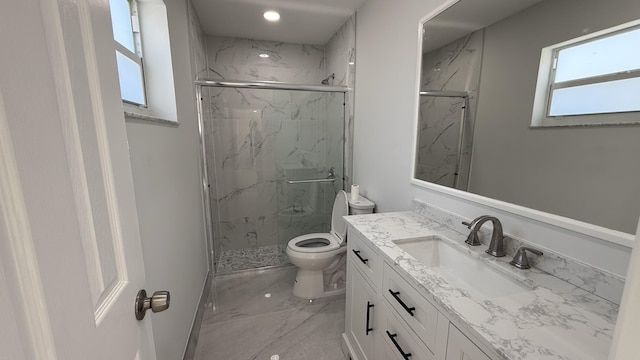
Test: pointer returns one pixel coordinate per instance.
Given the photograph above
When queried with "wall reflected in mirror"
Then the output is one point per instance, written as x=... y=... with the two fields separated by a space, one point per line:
x=484 y=143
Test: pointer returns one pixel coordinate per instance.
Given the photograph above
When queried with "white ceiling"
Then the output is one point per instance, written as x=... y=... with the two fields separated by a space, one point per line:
x=301 y=21
x=467 y=16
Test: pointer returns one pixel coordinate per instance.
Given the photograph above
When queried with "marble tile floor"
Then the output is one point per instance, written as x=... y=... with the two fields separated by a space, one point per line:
x=254 y=315
x=252 y=258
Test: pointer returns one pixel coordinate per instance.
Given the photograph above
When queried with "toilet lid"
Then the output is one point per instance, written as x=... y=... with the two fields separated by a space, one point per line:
x=340 y=209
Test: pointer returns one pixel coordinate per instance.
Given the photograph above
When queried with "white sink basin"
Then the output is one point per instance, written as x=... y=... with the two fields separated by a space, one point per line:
x=461 y=270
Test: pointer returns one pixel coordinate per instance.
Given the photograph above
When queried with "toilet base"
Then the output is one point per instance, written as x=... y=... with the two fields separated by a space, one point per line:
x=309 y=284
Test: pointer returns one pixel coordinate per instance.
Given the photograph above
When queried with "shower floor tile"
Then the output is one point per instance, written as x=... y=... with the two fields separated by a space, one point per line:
x=254 y=315
x=252 y=258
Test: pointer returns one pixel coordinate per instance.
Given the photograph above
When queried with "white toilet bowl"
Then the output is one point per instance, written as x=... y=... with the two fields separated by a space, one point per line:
x=313 y=253
x=311 y=258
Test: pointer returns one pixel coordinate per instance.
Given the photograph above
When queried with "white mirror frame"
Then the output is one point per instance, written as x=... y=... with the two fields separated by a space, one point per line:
x=614 y=236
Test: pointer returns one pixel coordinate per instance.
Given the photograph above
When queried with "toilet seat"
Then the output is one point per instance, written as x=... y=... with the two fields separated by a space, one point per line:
x=314 y=243
x=325 y=242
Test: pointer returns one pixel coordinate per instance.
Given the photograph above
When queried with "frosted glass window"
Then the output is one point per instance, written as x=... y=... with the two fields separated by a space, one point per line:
x=590 y=80
x=121 y=20
x=613 y=54
x=599 y=98
x=131 y=79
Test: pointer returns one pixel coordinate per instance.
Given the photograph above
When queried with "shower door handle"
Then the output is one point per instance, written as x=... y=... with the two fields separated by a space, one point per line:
x=311 y=181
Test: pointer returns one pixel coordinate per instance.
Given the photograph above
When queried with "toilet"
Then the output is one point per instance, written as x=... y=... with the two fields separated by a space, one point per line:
x=320 y=257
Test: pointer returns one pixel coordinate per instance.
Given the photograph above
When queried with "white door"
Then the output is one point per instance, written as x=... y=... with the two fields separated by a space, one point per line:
x=70 y=253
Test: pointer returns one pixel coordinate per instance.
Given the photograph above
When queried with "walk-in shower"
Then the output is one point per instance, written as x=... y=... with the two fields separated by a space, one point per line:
x=273 y=162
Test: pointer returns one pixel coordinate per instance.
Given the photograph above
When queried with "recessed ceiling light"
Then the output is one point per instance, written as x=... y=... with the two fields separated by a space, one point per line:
x=271 y=15
x=264 y=56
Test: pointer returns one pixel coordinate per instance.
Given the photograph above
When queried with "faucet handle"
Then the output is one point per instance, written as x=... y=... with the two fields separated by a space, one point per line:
x=520 y=260
x=467 y=224
x=472 y=239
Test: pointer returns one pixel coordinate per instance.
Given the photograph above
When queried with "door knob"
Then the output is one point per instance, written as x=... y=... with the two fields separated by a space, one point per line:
x=159 y=301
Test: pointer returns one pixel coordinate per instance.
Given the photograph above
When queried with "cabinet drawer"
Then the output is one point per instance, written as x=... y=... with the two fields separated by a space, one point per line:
x=398 y=342
x=410 y=305
x=364 y=257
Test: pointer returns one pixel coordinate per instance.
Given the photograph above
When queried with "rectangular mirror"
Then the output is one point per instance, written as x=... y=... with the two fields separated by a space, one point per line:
x=482 y=66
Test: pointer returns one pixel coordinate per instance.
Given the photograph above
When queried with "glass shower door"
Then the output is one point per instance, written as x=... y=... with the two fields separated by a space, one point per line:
x=311 y=149
x=444 y=146
x=256 y=140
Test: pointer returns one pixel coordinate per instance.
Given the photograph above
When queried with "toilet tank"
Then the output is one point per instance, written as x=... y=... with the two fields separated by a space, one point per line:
x=360 y=206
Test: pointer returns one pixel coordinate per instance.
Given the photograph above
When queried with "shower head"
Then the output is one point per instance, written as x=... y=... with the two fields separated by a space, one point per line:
x=326 y=81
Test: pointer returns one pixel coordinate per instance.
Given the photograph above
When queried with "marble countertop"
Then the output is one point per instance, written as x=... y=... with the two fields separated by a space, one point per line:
x=554 y=320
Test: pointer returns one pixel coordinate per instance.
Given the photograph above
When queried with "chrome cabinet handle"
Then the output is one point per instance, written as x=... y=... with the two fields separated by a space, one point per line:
x=368 y=329
x=158 y=302
x=357 y=252
x=391 y=336
x=395 y=294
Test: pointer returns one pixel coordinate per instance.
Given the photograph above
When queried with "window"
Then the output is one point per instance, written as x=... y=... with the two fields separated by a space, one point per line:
x=594 y=79
x=147 y=87
x=126 y=33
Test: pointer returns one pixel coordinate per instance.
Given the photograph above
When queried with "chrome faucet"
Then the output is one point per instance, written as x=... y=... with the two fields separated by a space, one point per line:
x=496 y=247
x=332 y=173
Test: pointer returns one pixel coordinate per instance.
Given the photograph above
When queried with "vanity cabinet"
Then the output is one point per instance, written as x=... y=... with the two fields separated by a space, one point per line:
x=460 y=347
x=387 y=318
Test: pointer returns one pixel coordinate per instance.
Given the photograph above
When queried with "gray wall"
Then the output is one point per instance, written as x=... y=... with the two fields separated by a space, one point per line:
x=585 y=173
x=387 y=38
x=165 y=165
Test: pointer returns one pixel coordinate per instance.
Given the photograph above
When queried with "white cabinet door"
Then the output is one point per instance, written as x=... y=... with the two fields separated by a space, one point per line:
x=461 y=348
x=362 y=313
x=69 y=240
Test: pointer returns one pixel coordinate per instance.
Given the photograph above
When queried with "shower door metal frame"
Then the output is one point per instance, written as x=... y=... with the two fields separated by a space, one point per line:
x=465 y=96
x=204 y=176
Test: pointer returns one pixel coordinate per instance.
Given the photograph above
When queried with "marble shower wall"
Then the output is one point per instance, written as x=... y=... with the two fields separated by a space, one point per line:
x=211 y=174
x=198 y=47
x=453 y=67
x=257 y=139
x=239 y=59
x=260 y=138
x=198 y=43
x=341 y=58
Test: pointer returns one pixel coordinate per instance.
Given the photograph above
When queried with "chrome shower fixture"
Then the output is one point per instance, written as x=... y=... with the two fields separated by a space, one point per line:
x=326 y=81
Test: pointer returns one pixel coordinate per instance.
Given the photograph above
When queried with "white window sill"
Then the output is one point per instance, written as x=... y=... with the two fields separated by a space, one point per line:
x=131 y=116
x=613 y=119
